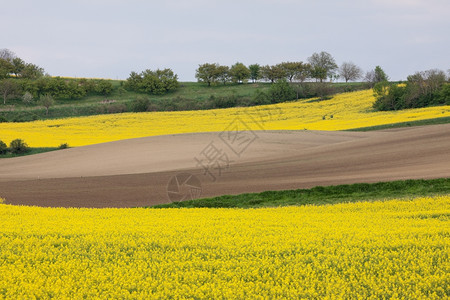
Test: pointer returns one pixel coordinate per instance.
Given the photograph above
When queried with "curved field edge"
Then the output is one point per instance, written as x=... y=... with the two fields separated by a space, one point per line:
x=342 y=112
x=323 y=195
x=381 y=249
x=434 y=121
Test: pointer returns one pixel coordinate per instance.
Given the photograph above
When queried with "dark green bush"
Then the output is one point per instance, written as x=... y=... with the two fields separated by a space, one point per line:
x=18 y=146
x=140 y=104
x=281 y=91
x=3 y=147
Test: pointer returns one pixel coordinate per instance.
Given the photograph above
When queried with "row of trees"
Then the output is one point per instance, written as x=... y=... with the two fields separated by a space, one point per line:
x=11 y=65
x=59 y=88
x=319 y=67
x=422 y=89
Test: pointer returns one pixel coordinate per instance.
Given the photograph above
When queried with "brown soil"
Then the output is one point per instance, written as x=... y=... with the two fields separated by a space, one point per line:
x=136 y=172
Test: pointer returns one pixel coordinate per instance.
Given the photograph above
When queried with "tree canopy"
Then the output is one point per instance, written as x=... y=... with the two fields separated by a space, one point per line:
x=323 y=65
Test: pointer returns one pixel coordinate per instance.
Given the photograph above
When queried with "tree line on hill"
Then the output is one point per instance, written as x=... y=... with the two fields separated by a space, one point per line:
x=289 y=81
x=29 y=82
x=319 y=67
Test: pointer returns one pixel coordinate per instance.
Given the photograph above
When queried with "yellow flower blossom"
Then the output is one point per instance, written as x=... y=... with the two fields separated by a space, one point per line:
x=368 y=250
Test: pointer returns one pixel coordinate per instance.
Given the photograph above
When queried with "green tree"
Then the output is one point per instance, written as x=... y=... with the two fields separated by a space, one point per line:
x=293 y=70
x=380 y=75
x=153 y=82
x=46 y=101
x=103 y=87
x=18 y=65
x=272 y=73
x=323 y=65
x=207 y=73
x=255 y=72
x=31 y=71
x=5 y=68
x=239 y=72
x=223 y=74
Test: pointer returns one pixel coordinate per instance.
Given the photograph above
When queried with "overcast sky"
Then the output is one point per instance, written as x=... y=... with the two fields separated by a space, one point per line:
x=109 y=38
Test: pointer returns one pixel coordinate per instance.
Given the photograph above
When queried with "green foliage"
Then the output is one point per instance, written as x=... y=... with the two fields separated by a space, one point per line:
x=103 y=87
x=324 y=195
x=207 y=73
x=157 y=82
x=189 y=96
x=434 y=121
x=11 y=64
x=422 y=89
x=380 y=75
x=18 y=146
x=140 y=104
x=3 y=147
x=272 y=73
x=223 y=101
x=281 y=91
x=239 y=72
x=295 y=70
x=261 y=98
x=255 y=72
x=443 y=96
x=5 y=68
x=63 y=146
x=323 y=65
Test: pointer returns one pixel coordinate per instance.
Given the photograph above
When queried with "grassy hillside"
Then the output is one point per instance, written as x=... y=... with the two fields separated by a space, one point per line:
x=324 y=195
x=189 y=96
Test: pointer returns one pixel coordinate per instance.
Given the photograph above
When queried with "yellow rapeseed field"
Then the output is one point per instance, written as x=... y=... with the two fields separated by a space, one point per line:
x=396 y=249
x=344 y=111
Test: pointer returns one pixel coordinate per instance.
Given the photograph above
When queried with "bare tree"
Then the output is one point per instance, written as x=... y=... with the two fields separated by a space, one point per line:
x=369 y=78
x=8 y=89
x=7 y=55
x=350 y=72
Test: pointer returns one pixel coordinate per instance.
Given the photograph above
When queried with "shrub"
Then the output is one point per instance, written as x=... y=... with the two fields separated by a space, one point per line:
x=27 y=98
x=281 y=91
x=116 y=108
x=141 y=104
x=3 y=147
x=18 y=146
x=63 y=146
x=260 y=98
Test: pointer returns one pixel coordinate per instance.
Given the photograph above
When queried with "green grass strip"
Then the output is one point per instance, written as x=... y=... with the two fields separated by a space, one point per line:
x=323 y=195
x=442 y=120
x=31 y=152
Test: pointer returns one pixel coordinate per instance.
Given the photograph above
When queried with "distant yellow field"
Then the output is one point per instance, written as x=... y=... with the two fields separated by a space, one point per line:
x=344 y=111
x=373 y=250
